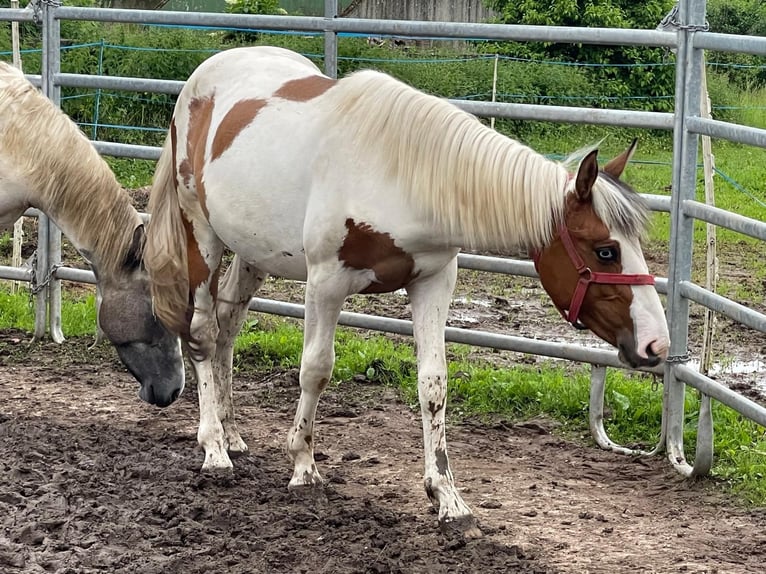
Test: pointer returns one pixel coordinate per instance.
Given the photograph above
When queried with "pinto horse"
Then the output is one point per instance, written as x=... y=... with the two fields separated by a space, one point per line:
x=46 y=162
x=366 y=185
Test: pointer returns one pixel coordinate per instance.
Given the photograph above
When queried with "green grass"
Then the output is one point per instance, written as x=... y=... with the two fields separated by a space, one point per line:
x=78 y=314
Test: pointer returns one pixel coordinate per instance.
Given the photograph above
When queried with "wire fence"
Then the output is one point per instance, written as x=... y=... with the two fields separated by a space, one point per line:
x=98 y=96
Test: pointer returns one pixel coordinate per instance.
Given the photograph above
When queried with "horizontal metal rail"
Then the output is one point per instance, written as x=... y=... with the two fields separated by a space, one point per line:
x=723 y=305
x=551 y=349
x=16 y=273
x=452 y=30
x=455 y=335
x=127 y=84
x=734 y=221
x=728 y=131
x=732 y=399
x=17 y=15
x=128 y=150
x=532 y=112
x=730 y=43
x=567 y=114
x=77 y=275
x=497 y=265
x=657 y=202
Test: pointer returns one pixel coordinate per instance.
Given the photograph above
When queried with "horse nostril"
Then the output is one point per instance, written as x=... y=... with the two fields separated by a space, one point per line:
x=657 y=348
x=149 y=395
x=175 y=395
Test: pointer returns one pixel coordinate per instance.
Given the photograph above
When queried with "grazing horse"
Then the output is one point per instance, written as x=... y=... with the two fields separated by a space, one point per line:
x=46 y=162
x=366 y=185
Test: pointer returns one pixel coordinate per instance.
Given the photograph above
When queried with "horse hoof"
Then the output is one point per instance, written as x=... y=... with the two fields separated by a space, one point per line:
x=237 y=449
x=463 y=527
x=221 y=465
x=237 y=453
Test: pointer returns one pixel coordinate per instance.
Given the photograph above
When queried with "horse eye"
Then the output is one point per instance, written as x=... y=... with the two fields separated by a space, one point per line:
x=607 y=254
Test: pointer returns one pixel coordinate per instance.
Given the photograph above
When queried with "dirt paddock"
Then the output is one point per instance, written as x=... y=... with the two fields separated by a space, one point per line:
x=93 y=480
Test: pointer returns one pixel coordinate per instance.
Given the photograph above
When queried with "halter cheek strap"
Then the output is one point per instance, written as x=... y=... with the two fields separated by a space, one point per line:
x=587 y=276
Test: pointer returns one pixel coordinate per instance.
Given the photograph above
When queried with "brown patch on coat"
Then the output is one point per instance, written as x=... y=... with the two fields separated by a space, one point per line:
x=305 y=89
x=364 y=248
x=200 y=115
x=199 y=272
x=236 y=119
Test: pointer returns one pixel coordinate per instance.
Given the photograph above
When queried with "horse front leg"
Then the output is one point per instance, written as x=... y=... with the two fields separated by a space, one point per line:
x=430 y=299
x=324 y=299
x=237 y=287
x=201 y=346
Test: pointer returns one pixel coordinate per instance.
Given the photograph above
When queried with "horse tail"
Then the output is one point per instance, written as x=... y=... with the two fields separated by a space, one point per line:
x=165 y=254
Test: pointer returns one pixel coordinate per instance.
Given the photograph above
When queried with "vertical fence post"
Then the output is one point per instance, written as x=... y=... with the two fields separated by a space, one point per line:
x=711 y=267
x=331 y=40
x=685 y=146
x=97 y=103
x=49 y=236
x=494 y=89
x=18 y=226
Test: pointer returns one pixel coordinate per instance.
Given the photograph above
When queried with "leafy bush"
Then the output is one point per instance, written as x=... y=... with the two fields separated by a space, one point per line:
x=744 y=17
x=628 y=70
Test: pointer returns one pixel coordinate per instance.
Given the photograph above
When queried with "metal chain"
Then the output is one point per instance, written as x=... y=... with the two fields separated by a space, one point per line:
x=35 y=286
x=670 y=22
x=37 y=8
x=678 y=359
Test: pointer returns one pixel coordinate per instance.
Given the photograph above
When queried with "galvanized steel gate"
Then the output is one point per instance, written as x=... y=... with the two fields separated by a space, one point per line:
x=689 y=40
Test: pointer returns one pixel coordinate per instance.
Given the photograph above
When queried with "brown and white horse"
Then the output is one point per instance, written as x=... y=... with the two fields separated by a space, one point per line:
x=47 y=162
x=366 y=185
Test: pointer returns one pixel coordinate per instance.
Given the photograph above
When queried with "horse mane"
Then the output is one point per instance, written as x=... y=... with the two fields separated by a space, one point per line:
x=493 y=191
x=57 y=161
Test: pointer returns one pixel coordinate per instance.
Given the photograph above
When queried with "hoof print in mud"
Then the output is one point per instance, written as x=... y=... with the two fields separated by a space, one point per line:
x=309 y=493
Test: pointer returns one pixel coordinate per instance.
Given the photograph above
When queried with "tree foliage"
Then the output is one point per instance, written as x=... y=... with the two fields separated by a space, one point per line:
x=618 y=64
x=742 y=17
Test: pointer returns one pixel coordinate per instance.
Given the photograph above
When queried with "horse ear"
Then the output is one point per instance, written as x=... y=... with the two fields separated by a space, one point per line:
x=136 y=250
x=617 y=165
x=586 y=176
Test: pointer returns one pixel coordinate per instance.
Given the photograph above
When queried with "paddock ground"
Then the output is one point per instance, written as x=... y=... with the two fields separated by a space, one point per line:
x=93 y=480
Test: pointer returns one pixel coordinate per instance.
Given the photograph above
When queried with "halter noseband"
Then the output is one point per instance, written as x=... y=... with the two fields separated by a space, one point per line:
x=587 y=276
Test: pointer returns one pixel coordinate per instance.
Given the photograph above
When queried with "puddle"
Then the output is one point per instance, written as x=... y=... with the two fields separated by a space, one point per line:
x=472 y=301
x=756 y=367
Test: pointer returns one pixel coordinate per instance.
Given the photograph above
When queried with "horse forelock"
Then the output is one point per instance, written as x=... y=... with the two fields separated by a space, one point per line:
x=491 y=191
x=64 y=174
x=619 y=206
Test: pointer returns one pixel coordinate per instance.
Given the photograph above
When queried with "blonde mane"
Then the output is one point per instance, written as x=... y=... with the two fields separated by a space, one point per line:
x=63 y=171
x=493 y=191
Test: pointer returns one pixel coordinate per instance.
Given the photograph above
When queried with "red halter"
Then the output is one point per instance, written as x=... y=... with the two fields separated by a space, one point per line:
x=587 y=276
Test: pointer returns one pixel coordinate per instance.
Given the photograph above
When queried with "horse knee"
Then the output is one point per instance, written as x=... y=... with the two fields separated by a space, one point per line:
x=204 y=333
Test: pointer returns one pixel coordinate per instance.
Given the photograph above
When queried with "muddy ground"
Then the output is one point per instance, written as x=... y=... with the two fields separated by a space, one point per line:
x=93 y=480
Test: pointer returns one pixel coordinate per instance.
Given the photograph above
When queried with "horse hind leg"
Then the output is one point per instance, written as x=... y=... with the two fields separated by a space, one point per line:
x=236 y=288
x=429 y=299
